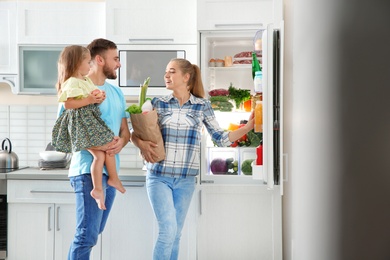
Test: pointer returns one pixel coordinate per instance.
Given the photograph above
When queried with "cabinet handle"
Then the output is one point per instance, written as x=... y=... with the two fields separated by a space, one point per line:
x=238 y=24
x=151 y=40
x=200 y=203
x=51 y=191
x=48 y=218
x=58 y=219
x=134 y=185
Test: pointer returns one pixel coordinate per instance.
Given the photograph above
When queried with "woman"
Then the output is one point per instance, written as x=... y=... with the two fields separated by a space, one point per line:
x=171 y=182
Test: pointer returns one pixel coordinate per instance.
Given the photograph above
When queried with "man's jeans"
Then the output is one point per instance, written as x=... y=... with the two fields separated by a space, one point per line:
x=90 y=220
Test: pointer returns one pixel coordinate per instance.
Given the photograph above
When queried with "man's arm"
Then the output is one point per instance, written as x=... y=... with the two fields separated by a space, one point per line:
x=121 y=140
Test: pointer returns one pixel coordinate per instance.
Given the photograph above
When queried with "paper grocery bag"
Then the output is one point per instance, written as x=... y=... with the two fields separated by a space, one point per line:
x=146 y=128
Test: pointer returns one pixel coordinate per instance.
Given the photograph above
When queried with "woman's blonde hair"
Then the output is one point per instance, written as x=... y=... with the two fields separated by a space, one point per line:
x=195 y=83
x=69 y=61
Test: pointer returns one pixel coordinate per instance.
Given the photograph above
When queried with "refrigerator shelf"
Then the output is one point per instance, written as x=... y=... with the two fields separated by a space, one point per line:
x=232 y=156
x=233 y=67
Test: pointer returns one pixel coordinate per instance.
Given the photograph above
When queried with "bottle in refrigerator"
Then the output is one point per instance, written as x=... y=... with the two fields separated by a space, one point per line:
x=258 y=117
x=258 y=82
x=255 y=64
x=259 y=154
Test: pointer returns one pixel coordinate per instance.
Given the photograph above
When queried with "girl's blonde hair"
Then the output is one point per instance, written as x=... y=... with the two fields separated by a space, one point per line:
x=69 y=61
x=195 y=83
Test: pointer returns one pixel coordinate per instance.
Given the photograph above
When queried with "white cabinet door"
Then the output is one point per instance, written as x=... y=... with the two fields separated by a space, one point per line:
x=151 y=22
x=8 y=50
x=30 y=231
x=130 y=228
x=65 y=223
x=239 y=222
x=41 y=220
x=60 y=22
x=65 y=226
x=234 y=14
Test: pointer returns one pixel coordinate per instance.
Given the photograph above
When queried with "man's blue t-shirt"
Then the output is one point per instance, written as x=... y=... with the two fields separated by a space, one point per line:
x=113 y=111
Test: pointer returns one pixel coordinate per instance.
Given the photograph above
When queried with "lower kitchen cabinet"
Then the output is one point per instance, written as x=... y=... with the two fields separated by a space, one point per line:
x=41 y=220
x=132 y=230
x=239 y=222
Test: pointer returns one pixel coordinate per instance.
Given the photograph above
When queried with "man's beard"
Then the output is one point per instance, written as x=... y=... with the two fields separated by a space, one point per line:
x=110 y=74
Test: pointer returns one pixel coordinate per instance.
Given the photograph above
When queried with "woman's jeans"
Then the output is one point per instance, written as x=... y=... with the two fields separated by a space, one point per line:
x=170 y=199
x=90 y=220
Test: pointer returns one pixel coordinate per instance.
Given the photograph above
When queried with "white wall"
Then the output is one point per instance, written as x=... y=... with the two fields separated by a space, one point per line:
x=7 y=97
x=337 y=198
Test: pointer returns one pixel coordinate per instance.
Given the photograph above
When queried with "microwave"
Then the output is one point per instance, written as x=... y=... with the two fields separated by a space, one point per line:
x=139 y=62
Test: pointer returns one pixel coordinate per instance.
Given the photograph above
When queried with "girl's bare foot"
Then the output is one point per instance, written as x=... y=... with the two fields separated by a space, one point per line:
x=98 y=195
x=117 y=184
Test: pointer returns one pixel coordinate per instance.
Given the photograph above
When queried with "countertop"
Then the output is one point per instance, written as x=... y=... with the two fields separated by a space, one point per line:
x=35 y=173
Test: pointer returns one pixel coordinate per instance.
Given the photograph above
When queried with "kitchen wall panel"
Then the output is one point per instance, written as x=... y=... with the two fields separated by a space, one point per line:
x=29 y=129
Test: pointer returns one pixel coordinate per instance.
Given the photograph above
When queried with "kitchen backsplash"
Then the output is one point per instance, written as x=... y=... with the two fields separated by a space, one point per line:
x=29 y=130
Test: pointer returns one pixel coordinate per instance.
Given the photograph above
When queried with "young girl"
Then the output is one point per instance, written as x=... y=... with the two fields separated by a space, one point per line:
x=80 y=127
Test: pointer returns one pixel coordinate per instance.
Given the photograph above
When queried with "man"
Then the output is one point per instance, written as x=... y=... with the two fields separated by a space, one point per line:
x=90 y=220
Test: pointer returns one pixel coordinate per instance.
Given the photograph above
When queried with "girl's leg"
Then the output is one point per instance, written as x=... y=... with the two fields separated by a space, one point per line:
x=97 y=174
x=113 y=179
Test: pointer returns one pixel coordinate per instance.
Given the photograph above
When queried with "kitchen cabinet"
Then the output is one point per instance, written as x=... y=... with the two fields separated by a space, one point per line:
x=151 y=22
x=239 y=222
x=8 y=48
x=132 y=229
x=41 y=220
x=71 y=22
x=236 y=14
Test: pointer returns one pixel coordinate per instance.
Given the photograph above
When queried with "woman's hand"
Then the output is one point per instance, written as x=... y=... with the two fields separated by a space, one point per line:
x=148 y=152
x=251 y=121
x=236 y=134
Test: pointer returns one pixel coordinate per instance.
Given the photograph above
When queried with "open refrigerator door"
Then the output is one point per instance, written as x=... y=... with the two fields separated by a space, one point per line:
x=237 y=47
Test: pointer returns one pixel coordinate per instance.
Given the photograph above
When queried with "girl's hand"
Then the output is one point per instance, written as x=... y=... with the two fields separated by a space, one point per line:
x=97 y=96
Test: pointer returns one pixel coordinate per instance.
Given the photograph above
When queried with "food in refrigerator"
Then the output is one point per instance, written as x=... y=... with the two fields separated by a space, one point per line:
x=239 y=82
x=258 y=117
x=223 y=161
x=246 y=166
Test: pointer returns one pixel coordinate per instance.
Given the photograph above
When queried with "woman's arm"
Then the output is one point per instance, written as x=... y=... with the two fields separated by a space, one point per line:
x=236 y=134
x=146 y=148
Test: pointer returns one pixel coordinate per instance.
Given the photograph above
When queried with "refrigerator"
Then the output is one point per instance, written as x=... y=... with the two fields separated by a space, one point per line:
x=245 y=207
x=218 y=45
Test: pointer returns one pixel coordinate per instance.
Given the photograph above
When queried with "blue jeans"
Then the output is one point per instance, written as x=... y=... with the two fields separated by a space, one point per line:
x=170 y=199
x=90 y=220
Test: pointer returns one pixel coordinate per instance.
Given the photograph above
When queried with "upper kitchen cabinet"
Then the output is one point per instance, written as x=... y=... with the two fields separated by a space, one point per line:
x=60 y=22
x=237 y=14
x=8 y=49
x=151 y=22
